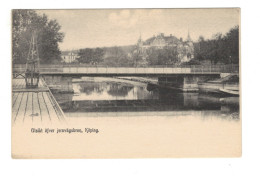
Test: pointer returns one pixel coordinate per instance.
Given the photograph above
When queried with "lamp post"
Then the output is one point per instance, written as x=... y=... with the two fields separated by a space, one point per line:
x=32 y=64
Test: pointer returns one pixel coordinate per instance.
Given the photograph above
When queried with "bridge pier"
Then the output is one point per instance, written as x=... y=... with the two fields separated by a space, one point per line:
x=187 y=83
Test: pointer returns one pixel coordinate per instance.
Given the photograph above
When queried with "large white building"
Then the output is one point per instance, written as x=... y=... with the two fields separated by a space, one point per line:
x=69 y=56
x=185 y=49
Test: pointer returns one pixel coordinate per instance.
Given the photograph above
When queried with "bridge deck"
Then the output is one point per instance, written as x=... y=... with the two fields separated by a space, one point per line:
x=34 y=106
x=131 y=71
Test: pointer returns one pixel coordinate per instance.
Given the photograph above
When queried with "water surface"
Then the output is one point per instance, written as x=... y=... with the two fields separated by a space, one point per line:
x=97 y=95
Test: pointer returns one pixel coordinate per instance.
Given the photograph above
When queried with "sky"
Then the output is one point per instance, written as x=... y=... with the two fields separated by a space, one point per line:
x=118 y=27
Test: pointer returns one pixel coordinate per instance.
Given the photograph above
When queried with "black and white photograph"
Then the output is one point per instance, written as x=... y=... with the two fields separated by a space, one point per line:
x=126 y=83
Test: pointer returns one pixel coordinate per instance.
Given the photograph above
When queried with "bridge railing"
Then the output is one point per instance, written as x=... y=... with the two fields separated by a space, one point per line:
x=82 y=68
x=43 y=68
x=230 y=68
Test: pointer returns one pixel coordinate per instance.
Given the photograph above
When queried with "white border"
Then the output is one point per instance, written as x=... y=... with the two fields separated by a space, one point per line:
x=247 y=165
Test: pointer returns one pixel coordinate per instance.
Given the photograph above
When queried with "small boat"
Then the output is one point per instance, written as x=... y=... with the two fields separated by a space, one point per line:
x=229 y=91
x=228 y=84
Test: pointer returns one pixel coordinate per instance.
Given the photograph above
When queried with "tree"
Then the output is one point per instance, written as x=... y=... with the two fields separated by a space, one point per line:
x=165 y=56
x=85 y=55
x=201 y=38
x=219 y=49
x=116 y=56
x=99 y=55
x=232 y=42
x=136 y=55
x=91 y=56
x=24 y=22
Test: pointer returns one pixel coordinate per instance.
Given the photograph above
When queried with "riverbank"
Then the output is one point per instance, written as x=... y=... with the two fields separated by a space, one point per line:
x=225 y=85
x=228 y=84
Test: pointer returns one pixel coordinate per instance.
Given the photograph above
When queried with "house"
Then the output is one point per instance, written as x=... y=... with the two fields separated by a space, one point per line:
x=185 y=49
x=69 y=56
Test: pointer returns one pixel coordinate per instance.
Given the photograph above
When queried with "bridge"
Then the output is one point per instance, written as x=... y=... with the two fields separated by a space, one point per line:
x=88 y=70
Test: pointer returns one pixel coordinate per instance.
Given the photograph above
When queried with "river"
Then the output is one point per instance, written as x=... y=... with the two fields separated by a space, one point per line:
x=135 y=122
x=98 y=94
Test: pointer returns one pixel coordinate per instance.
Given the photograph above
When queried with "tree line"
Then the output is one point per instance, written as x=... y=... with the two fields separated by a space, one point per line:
x=119 y=56
x=24 y=23
x=165 y=56
x=220 y=49
x=109 y=56
x=90 y=56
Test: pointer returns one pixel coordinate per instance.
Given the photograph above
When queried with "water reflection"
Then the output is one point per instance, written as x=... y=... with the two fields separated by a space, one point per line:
x=110 y=89
x=117 y=95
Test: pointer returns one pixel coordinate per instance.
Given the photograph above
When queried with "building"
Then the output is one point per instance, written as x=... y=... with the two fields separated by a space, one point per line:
x=69 y=56
x=185 y=49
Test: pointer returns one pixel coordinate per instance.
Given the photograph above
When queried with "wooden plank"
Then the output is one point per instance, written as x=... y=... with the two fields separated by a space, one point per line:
x=34 y=105
x=16 y=106
x=53 y=115
x=15 y=82
x=20 y=115
x=19 y=83
x=43 y=109
x=56 y=106
x=28 y=118
x=53 y=105
x=15 y=95
x=36 y=109
x=31 y=90
x=23 y=84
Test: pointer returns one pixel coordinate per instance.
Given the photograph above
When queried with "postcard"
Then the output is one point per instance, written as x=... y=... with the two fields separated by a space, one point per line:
x=126 y=83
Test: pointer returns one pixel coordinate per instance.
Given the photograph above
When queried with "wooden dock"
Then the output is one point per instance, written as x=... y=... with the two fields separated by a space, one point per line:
x=35 y=106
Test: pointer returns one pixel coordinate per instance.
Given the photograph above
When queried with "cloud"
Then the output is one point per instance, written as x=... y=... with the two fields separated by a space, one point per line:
x=122 y=19
x=131 y=18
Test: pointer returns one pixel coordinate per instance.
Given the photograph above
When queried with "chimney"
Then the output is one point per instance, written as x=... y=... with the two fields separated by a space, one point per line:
x=181 y=39
x=170 y=35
